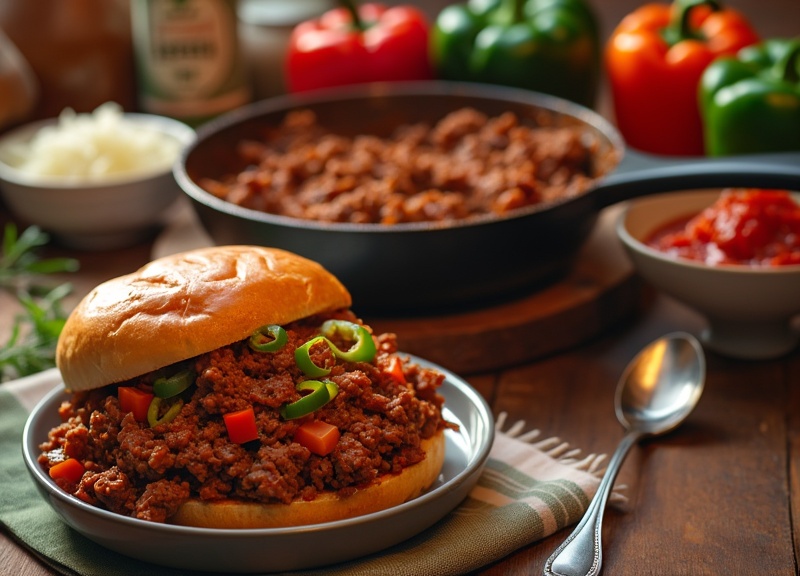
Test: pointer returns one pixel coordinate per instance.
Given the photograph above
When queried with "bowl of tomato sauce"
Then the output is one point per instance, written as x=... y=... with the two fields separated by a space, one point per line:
x=733 y=255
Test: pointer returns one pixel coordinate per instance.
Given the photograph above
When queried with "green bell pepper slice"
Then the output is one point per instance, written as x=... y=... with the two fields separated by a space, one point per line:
x=158 y=414
x=750 y=102
x=362 y=349
x=363 y=346
x=174 y=385
x=269 y=338
x=302 y=356
x=550 y=46
x=320 y=394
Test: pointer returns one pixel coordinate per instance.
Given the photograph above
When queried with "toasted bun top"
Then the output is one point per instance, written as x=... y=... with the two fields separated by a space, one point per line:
x=187 y=304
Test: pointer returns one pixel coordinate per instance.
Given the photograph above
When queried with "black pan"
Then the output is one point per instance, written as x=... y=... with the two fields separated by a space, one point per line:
x=420 y=267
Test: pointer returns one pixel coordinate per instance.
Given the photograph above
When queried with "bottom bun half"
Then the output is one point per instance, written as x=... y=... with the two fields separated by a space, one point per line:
x=388 y=491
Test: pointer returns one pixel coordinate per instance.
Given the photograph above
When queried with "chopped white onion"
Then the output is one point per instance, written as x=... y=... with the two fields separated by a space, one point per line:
x=96 y=146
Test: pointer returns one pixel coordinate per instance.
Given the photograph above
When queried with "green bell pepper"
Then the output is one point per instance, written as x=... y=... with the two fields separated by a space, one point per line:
x=750 y=103
x=549 y=46
x=169 y=387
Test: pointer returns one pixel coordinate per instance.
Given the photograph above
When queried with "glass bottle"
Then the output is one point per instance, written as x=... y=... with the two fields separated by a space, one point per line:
x=188 y=59
x=265 y=27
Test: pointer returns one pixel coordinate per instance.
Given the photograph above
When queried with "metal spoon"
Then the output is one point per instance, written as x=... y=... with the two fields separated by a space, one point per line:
x=657 y=391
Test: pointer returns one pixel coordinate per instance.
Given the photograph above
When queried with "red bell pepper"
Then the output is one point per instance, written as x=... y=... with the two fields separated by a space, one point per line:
x=241 y=425
x=395 y=370
x=654 y=60
x=134 y=400
x=353 y=45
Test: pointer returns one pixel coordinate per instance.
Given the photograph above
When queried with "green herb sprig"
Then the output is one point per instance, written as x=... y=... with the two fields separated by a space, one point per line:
x=34 y=333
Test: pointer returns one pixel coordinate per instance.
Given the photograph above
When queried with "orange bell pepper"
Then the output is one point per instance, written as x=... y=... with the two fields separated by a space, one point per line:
x=654 y=60
x=70 y=470
x=318 y=436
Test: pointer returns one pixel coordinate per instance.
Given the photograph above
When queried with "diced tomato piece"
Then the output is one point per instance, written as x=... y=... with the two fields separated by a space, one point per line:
x=241 y=425
x=134 y=400
x=70 y=469
x=318 y=436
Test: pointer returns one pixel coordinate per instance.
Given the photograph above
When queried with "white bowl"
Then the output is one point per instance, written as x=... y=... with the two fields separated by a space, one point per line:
x=749 y=310
x=102 y=214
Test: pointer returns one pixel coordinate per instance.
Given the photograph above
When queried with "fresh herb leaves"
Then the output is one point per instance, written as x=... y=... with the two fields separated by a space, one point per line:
x=35 y=330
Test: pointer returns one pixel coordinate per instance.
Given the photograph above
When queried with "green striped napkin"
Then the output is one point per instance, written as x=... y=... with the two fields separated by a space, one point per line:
x=530 y=489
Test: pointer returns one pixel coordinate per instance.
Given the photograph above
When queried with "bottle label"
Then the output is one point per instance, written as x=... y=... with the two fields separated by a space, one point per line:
x=188 y=57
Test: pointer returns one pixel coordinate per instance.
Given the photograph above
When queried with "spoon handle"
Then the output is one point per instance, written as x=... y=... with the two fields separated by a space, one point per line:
x=581 y=553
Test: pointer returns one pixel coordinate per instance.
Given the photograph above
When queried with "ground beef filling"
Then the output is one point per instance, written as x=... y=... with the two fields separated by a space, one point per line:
x=468 y=164
x=148 y=473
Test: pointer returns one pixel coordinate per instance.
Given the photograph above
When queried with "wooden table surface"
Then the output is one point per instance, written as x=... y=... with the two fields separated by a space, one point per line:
x=721 y=495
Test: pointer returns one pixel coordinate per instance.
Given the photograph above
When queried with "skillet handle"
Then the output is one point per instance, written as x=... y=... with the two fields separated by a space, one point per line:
x=639 y=174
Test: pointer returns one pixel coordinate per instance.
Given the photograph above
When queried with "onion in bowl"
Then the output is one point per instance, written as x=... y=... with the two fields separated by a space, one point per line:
x=95 y=182
x=103 y=144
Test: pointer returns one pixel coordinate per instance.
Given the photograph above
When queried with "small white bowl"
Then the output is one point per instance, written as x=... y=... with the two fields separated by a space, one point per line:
x=101 y=214
x=749 y=310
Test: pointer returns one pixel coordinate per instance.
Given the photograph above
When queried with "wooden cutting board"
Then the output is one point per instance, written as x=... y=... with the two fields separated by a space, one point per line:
x=601 y=291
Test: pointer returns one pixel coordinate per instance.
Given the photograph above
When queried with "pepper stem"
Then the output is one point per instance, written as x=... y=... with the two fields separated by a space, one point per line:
x=352 y=7
x=787 y=67
x=680 y=28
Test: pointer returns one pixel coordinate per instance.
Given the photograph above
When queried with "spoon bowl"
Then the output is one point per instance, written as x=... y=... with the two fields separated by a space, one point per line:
x=661 y=386
x=657 y=391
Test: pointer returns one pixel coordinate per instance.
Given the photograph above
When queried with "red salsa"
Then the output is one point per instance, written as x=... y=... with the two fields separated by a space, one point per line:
x=744 y=226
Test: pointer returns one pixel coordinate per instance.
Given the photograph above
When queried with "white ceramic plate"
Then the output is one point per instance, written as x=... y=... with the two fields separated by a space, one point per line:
x=265 y=550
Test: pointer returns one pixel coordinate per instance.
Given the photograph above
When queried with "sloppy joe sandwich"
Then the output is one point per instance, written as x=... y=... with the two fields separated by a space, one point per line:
x=233 y=387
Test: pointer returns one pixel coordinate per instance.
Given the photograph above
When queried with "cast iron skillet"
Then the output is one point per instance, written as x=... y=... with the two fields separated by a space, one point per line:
x=424 y=267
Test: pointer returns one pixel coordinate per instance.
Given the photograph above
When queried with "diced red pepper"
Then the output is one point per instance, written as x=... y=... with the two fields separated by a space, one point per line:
x=318 y=436
x=134 y=400
x=241 y=425
x=395 y=370
x=70 y=469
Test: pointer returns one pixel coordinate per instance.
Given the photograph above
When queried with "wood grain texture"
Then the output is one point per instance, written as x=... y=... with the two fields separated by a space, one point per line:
x=716 y=496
